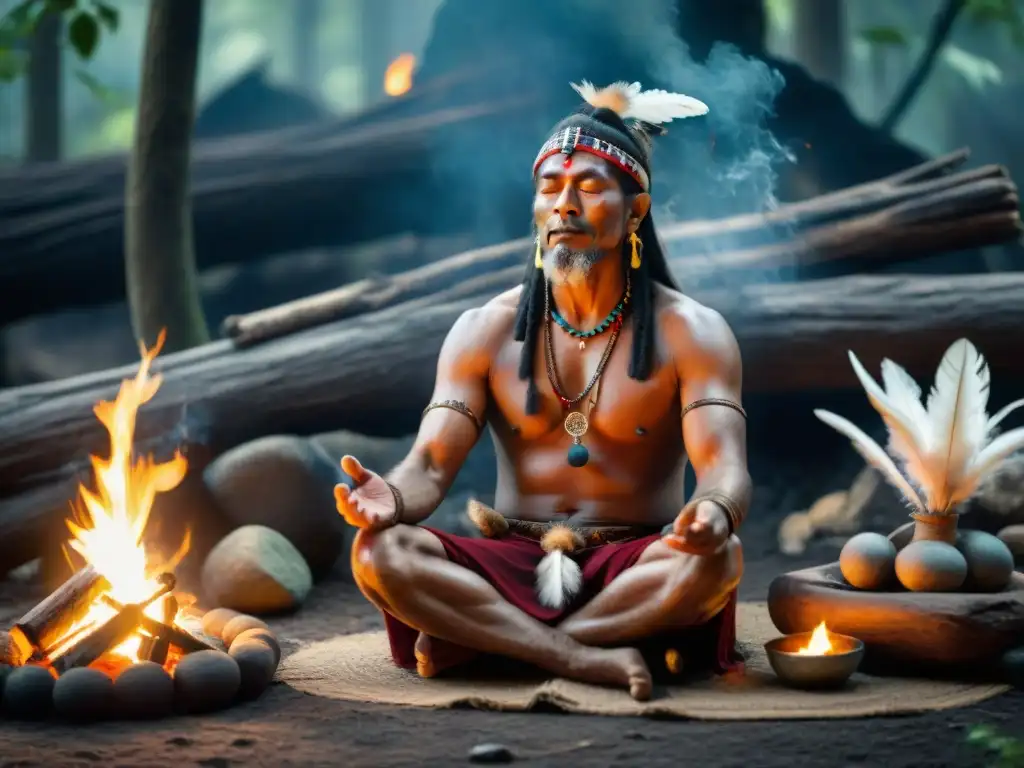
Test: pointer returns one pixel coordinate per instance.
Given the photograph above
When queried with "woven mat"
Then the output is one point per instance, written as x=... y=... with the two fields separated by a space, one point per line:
x=359 y=668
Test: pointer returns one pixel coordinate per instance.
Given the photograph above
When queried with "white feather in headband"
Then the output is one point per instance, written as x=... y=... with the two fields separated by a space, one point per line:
x=629 y=102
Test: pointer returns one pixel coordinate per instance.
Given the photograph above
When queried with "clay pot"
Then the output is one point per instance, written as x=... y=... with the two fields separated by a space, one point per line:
x=935 y=528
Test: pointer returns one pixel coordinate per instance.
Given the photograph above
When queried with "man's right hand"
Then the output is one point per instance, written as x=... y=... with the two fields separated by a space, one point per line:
x=369 y=503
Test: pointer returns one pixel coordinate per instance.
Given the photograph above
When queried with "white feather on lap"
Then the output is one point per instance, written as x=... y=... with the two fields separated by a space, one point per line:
x=946 y=445
x=559 y=578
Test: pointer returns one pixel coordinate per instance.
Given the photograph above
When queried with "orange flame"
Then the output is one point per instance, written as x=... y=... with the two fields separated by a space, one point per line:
x=112 y=520
x=398 y=75
x=820 y=643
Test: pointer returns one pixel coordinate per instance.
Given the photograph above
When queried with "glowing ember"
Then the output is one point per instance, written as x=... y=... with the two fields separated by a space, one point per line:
x=398 y=75
x=111 y=521
x=819 y=644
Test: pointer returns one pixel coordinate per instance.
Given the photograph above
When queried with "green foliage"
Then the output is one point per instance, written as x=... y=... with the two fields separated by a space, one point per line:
x=1004 y=13
x=86 y=22
x=1007 y=15
x=1007 y=751
x=884 y=36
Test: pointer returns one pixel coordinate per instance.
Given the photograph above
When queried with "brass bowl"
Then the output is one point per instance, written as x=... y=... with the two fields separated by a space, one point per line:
x=814 y=671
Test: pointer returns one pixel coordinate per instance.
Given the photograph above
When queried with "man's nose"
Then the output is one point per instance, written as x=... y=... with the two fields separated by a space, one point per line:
x=568 y=204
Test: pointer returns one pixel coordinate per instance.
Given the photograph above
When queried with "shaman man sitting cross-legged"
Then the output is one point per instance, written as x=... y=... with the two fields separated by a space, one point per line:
x=599 y=380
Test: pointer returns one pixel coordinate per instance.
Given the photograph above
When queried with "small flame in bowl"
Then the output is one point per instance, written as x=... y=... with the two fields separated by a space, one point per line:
x=819 y=645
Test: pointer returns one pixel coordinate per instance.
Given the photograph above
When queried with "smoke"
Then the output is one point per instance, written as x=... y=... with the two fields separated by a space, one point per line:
x=722 y=164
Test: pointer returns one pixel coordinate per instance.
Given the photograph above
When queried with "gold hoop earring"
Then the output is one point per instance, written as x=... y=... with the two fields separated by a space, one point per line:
x=538 y=262
x=638 y=245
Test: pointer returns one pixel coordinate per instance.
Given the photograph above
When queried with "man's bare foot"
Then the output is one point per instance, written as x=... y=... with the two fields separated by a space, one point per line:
x=434 y=656
x=623 y=667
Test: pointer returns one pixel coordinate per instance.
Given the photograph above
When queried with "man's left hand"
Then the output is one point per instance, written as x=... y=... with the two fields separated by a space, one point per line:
x=700 y=530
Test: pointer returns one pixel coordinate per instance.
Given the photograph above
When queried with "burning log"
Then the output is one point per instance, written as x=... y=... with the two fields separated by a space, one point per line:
x=157 y=651
x=49 y=621
x=374 y=374
x=164 y=630
x=899 y=218
x=97 y=641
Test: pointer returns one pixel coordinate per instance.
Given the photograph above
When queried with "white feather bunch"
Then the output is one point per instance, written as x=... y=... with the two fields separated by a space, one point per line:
x=946 y=445
x=631 y=103
x=559 y=578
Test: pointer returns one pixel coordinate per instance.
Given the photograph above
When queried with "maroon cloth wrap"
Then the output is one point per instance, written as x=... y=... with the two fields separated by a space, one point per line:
x=509 y=565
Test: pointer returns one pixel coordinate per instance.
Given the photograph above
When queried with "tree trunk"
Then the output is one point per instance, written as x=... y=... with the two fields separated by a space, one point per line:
x=44 y=113
x=820 y=39
x=159 y=257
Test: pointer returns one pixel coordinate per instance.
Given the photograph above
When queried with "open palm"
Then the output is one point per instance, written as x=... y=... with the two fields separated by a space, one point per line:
x=368 y=503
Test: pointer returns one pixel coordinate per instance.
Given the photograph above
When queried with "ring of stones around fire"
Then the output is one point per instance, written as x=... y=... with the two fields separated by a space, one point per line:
x=204 y=681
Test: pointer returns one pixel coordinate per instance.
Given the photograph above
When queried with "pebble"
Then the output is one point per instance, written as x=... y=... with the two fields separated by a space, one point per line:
x=238 y=625
x=257 y=664
x=28 y=693
x=83 y=695
x=214 y=621
x=144 y=691
x=1013 y=667
x=206 y=681
x=491 y=754
x=263 y=635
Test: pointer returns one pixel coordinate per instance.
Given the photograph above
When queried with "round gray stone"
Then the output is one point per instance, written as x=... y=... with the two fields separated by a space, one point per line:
x=144 y=691
x=83 y=695
x=256 y=570
x=206 y=681
x=28 y=693
x=285 y=483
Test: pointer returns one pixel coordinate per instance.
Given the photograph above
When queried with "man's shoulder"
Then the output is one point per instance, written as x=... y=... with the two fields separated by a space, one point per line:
x=690 y=328
x=489 y=324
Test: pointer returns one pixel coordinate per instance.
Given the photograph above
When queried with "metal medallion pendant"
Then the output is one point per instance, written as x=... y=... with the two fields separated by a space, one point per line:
x=576 y=425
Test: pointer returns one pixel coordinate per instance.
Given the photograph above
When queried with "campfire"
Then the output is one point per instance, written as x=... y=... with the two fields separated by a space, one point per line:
x=120 y=608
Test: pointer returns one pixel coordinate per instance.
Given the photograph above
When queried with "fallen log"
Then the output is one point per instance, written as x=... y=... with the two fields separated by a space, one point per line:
x=374 y=374
x=252 y=196
x=883 y=223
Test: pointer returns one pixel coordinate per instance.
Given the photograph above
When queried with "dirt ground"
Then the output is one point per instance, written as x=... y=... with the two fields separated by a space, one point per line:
x=287 y=728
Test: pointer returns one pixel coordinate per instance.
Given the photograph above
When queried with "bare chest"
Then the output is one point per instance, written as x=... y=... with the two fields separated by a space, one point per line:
x=617 y=409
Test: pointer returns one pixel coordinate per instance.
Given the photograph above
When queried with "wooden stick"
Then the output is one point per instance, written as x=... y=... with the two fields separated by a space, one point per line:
x=106 y=637
x=161 y=642
x=186 y=641
x=49 y=621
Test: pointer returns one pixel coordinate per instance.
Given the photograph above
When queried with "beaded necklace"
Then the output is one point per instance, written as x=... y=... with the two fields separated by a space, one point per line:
x=576 y=422
x=601 y=327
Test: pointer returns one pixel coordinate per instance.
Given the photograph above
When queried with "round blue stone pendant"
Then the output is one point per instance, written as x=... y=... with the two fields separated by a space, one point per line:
x=578 y=455
x=576 y=425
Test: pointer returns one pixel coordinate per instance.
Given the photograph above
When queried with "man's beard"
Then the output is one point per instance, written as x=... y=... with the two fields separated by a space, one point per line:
x=565 y=265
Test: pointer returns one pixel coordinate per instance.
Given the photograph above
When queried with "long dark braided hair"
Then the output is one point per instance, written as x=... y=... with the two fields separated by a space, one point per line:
x=653 y=266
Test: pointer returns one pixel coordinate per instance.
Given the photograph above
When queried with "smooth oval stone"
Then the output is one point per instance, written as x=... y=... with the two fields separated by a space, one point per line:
x=264 y=636
x=868 y=561
x=206 y=681
x=238 y=625
x=214 y=621
x=28 y=693
x=1013 y=667
x=931 y=566
x=257 y=665
x=83 y=695
x=491 y=754
x=144 y=691
x=989 y=561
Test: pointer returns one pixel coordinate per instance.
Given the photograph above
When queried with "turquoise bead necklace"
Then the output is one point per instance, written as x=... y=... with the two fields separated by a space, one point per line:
x=611 y=319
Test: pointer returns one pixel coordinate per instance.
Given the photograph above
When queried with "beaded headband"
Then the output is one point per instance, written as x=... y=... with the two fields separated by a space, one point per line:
x=573 y=139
